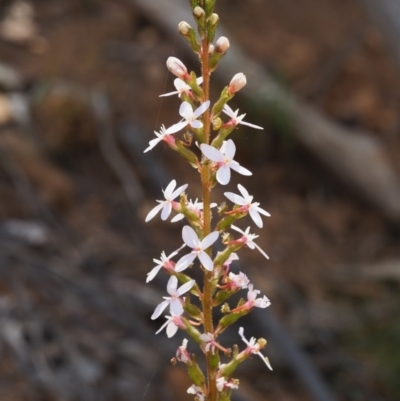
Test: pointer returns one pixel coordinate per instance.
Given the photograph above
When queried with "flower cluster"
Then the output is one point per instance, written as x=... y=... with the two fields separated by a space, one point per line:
x=191 y=306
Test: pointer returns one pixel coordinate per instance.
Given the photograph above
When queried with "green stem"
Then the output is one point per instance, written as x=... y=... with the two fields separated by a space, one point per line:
x=206 y=186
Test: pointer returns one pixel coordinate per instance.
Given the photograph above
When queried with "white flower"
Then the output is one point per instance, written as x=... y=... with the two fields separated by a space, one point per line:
x=174 y=301
x=246 y=202
x=164 y=262
x=189 y=117
x=224 y=159
x=172 y=324
x=166 y=205
x=182 y=354
x=163 y=135
x=254 y=347
x=248 y=239
x=237 y=82
x=195 y=206
x=208 y=339
x=253 y=301
x=235 y=119
x=182 y=87
x=191 y=239
x=177 y=67
x=233 y=256
x=197 y=391
x=223 y=383
x=239 y=280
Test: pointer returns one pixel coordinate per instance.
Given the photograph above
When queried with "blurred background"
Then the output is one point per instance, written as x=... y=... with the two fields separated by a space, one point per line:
x=79 y=87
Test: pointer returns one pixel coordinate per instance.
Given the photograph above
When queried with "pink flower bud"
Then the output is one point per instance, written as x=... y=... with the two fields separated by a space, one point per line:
x=222 y=44
x=237 y=83
x=177 y=67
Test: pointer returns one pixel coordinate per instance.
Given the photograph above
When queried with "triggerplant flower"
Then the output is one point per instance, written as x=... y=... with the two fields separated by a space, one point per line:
x=235 y=119
x=222 y=384
x=163 y=135
x=247 y=239
x=253 y=301
x=247 y=205
x=190 y=117
x=197 y=391
x=172 y=324
x=182 y=87
x=174 y=301
x=254 y=348
x=238 y=280
x=166 y=205
x=224 y=159
x=165 y=262
x=191 y=239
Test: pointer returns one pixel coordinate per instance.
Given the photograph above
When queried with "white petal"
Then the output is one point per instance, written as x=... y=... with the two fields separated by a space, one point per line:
x=262 y=211
x=152 y=144
x=172 y=285
x=186 y=111
x=228 y=111
x=153 y=212
x=239 y=169
x=166 y=211
x=162 y=327
x=261 y=251
x=178 y=217
x=196 y=124
x=176 y=127
x=176 y=307
x=172 y=328
x=209 y=240
x=251 y=125
x=169 y=94
x=244 y=192
x=206 y=261
x=185 y=287
x=211 y=153
x=256 y=217
x=237 y=229
x=159 y=309
x=265 y=359
x=224 y=175
x=230 y=149
x=251 y=244
x=190 y=237
x=153 y=273
x=236 y=199
x=178 y=191
x=170 y=188
x=200 y=110
x=199 y=80
x=185 y=261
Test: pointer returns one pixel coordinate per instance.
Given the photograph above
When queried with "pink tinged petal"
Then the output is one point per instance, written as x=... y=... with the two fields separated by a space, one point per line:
x=178 y=191
x=190 y=237
x=196 y=124
x=172 y=328
x=211 y=153
x=200 y=110
x=166 y=211
x=185 y=287
x=159 y=309
x=186 y=111
x=153 y=212
x=251 y=125
x=153 y=273
x=206 y=261
x=239 y=169
x=230 y=149
x=261 y=251
x=176 y=307
x=236 y=199
x=209 y=240
x=184 y=262
x=224 y=175
x=256 y=217
x=172 y=285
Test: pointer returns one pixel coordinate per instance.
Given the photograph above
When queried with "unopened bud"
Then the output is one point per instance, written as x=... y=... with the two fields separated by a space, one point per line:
x=237 y=83
x=177 y=67
x=184 y=28
x=211 y=49
x=214 y=19
x=262 y=342
x=199 y=12
x=222 y=44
